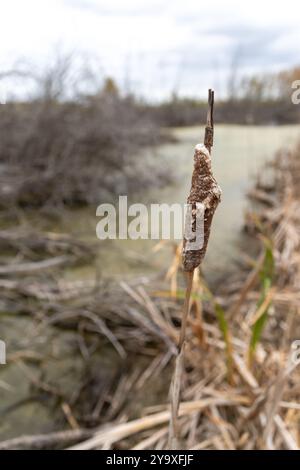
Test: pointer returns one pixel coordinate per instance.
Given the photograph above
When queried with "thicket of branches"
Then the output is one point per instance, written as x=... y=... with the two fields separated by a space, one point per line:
x=61 y=147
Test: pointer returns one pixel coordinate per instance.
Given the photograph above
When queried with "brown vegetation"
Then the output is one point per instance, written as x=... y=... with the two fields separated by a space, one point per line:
x=240 y=387
x=64 y=147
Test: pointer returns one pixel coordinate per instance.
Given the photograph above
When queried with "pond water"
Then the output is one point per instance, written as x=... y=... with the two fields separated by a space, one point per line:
x=239 y=154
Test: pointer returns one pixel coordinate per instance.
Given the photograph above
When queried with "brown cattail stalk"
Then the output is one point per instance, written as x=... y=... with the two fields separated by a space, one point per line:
x=205 y=195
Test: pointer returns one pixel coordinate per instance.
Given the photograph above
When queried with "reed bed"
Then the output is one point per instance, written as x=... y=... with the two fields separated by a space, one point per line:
x=240 y=380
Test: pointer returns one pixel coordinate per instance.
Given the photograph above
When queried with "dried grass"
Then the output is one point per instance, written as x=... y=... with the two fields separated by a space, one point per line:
x=256 y=408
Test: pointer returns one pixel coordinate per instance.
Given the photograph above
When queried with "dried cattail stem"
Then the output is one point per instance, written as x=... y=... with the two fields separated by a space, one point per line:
x=209 y=129
x=189 y=287
x=205 y=195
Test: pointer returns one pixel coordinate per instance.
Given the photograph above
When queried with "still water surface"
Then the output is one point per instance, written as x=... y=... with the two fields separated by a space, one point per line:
x=239 y=154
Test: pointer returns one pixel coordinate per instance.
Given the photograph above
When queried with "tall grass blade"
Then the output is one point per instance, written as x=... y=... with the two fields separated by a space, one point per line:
x=223 y=324
x=266 y=277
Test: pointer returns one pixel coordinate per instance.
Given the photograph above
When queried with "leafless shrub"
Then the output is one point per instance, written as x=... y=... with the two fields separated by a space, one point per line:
x=61 y=146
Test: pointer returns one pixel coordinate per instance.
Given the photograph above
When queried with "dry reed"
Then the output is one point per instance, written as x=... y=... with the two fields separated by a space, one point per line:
x=257 y=409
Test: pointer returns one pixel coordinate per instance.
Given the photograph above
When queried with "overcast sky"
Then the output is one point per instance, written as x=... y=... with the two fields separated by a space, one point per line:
x=153 y=46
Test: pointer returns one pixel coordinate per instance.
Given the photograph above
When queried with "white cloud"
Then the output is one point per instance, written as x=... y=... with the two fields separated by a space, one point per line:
x=159 y=44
